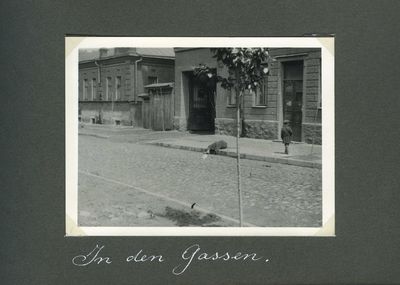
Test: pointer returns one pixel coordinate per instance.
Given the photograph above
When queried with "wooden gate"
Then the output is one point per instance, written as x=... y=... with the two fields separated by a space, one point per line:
x=157 y=107
x=146 y=113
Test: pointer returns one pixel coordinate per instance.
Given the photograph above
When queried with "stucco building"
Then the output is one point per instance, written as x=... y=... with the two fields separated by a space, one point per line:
x=290 y=91
x=111 y=82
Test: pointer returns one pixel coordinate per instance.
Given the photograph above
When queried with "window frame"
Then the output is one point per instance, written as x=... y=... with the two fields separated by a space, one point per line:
x=118 y=88
x=231 y=98
x=261 y=89
x=108 y=87
x=93 y=88
x=85 y=89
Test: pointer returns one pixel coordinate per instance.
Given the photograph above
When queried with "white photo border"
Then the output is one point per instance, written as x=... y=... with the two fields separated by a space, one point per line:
x=72 y=46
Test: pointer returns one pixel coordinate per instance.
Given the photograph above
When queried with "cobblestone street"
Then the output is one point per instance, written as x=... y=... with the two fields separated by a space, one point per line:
x=123 y=181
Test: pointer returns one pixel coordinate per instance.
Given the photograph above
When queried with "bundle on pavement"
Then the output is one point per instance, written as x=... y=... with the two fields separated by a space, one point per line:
x=216 y=146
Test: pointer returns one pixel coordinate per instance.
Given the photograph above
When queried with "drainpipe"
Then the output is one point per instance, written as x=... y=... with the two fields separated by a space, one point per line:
x=136 y=78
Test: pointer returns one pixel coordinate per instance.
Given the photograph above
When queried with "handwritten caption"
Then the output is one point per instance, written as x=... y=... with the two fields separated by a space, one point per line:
x=191 y=255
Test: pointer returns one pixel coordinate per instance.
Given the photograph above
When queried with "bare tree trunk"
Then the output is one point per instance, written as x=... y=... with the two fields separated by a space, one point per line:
x=238 y=157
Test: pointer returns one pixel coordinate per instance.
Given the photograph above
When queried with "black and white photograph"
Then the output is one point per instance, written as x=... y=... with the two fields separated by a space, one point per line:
x=200 y=142
x=200 y=136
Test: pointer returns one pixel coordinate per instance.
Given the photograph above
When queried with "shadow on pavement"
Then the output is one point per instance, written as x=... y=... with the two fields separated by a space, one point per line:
x=184 y=219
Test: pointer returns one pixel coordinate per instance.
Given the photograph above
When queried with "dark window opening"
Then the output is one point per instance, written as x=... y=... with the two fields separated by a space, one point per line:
x=152 y=80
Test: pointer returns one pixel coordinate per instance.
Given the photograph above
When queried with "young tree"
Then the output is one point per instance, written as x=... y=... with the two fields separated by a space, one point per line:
x=246 y=68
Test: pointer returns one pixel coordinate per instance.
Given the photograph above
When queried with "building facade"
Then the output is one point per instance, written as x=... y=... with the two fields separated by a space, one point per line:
x=112 y=80
x=291 y=91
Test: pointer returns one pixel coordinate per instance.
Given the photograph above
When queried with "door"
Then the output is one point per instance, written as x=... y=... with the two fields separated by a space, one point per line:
x=201 y=105
x=293 y=96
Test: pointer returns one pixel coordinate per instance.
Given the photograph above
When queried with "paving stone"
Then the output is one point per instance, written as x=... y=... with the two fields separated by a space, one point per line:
x=279 y=195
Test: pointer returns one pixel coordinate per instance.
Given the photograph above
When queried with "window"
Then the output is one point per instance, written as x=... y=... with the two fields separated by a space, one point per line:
x=152 y=79
x=231 y=97
x=231 y=93
x=85 y=89
x=118 y=88
x=108 y=88
x=127 y=84
x=261 y=93
x=94 y=88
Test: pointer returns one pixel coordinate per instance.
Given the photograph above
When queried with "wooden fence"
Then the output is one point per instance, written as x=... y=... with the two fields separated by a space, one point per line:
x=157 y=108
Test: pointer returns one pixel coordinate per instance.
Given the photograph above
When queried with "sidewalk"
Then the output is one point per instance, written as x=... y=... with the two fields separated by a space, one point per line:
x=300 y=154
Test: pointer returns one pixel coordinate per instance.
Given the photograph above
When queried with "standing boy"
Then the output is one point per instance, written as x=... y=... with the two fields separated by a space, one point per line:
x=286 y=135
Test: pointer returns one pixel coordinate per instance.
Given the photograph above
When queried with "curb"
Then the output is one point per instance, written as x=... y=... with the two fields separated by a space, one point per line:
x=289 y=161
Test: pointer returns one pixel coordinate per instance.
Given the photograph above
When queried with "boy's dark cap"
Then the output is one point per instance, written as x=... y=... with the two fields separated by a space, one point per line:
x=286 y=121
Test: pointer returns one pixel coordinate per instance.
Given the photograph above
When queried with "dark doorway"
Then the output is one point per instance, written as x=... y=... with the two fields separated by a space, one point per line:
x=293 y=96
x=201 y=104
